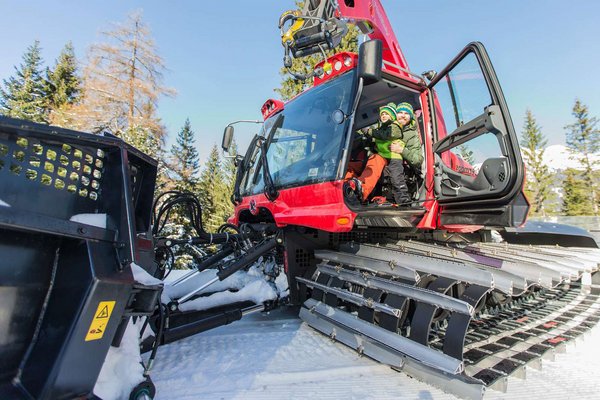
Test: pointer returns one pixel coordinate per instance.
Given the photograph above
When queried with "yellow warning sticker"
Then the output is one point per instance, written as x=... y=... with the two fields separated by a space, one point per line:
x=100 y=321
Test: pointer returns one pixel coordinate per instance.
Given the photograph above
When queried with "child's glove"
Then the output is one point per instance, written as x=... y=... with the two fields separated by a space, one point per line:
x=397 y=146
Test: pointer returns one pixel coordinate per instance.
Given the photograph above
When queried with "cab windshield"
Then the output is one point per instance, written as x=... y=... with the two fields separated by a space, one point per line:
x=305 y=145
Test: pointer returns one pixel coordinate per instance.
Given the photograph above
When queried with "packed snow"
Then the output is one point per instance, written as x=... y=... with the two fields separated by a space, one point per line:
x=4 y=204
x=123 y=370
x=277 y=356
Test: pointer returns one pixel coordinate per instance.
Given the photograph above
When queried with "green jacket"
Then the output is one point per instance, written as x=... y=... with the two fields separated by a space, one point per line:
x=388 y=133
x=383 y=136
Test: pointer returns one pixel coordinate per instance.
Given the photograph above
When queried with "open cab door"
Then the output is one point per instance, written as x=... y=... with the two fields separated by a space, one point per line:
x=478 y=167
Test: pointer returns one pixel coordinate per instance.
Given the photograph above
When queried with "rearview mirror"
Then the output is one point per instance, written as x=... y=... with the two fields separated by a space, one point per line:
x=227 y=138
x=370 y=60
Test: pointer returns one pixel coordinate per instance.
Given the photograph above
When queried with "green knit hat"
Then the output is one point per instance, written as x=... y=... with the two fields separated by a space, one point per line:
x=407 y=108
x=389 y=108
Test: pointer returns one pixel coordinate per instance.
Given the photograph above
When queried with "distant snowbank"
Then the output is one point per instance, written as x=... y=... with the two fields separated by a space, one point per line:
x=558 y=157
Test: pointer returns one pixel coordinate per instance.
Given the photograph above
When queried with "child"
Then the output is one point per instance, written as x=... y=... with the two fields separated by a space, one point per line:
x=411 y=151
x=389 y=131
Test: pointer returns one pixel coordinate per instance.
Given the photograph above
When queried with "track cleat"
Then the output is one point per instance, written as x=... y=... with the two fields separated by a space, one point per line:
x=466 y=322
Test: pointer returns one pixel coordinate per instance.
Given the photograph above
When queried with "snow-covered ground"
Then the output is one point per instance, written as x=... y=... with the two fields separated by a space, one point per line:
x=277 y=356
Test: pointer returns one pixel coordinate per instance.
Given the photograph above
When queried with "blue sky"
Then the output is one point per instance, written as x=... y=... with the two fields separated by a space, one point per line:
x=224 y=57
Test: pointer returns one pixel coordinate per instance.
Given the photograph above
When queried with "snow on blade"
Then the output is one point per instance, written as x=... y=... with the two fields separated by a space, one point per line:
x=122 y=369
x=4 y=204
x=258 y=292
x=98 y=220
x=247 y=286
x=235 y=281
x=141 y=276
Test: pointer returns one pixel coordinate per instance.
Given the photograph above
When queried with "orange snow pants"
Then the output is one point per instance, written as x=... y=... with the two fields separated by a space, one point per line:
x=370 y=175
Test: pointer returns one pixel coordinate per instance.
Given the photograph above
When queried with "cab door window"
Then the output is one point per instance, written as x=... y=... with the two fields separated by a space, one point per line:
x=474 y=154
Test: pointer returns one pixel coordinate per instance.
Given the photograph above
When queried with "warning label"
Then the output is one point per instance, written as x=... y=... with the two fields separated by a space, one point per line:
x=100 y=321
x=103 y=313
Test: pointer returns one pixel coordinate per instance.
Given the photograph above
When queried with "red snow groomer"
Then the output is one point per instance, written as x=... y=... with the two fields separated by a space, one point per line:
x=449 y=285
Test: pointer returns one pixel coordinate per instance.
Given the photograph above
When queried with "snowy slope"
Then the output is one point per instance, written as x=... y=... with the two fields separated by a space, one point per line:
x=557 y=157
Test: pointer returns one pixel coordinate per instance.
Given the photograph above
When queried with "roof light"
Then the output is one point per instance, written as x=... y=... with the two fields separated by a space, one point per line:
x=271 y=107
x=334 y=66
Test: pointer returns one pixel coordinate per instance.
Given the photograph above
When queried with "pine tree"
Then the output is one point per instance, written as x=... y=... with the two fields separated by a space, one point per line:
x=583 y=140
x=290 y=86
x=539 y=178
x=63 y=87
x=213 y=192
x=122 y=85
x=185 y=162
x=576 y=200
x=24 y=95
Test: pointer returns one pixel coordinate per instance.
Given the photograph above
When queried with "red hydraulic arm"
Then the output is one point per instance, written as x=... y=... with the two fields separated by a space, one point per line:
x=372 y=20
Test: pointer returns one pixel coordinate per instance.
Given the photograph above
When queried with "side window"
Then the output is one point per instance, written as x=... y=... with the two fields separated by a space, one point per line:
x=467 y=158
x=247 y=185
x=462 y=96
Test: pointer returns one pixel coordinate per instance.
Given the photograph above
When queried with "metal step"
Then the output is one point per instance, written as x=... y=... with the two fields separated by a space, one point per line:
x=569 y=269
x=588 y=258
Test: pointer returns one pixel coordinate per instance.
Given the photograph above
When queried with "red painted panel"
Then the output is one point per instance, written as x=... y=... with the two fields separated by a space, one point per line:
x=317 y=206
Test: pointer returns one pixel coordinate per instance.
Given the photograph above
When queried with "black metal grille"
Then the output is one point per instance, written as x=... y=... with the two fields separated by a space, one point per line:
x=63 y=167
x=302 y=258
